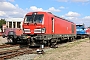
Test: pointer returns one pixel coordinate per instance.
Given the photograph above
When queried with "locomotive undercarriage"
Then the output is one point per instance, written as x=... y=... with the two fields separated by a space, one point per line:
x=81 y=36
x=40 y=39
x=47 y=40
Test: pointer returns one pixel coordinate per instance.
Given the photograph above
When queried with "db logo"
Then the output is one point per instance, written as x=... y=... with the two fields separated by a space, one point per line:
x=31 y=30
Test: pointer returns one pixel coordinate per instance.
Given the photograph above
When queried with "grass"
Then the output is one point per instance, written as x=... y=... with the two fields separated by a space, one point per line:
x=60 y=51
x=71 y=44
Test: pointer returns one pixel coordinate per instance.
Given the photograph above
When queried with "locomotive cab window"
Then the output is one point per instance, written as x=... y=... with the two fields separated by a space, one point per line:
x=34 y=19
x=28 y=19
x=38 y=19
x=79 y=26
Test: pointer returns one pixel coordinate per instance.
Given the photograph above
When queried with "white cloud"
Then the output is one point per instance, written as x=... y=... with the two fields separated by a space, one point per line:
x=62 y=0
x=87 y=18
x=6 y=6
x=10 y=10
x=11 y=0
x=2 y=0
x=72 y=14
x=34 y=8
x=80 y=0
x=2 y=13
x=77 y=20
x=74 y=17
x=62 y=7
x=52 y=9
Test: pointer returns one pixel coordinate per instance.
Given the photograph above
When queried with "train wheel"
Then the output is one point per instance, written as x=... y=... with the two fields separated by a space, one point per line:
x=82 y=37
x=71 y=39
x=9 y=40
x=3 y=36
x=48 y=43
x=29 y=42
x=14 y=41
x=53 y=43
x=74 y=39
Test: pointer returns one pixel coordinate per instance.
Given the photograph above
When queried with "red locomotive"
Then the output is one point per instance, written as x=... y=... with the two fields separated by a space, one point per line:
x=45 y=28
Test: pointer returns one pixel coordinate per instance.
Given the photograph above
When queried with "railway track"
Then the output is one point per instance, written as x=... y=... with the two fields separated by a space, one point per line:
x=7 y=45
x=14 y=50
x=9 y=51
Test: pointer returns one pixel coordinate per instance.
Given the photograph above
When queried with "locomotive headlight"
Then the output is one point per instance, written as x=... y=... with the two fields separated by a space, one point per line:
x=26 y=30
x=43 y=30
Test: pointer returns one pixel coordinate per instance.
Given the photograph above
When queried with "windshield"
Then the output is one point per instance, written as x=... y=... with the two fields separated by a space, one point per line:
x=79 y=26
x=34 y=19
x=28 y=19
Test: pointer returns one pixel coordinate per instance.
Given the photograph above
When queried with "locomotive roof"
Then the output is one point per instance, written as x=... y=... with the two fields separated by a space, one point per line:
x=53 y=15
x=60 y=17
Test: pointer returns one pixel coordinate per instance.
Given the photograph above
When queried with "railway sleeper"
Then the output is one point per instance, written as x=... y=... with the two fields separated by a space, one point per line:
x=16 y=53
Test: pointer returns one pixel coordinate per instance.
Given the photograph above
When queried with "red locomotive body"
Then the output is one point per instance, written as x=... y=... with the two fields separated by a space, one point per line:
x=88 y=31
x=46 y=28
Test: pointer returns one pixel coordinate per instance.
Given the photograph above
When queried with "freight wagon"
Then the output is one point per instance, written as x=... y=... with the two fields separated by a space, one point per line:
x=12 y=34
x=47 y=29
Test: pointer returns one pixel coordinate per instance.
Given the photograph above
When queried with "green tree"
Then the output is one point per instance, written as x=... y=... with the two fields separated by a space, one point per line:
x=2 y=21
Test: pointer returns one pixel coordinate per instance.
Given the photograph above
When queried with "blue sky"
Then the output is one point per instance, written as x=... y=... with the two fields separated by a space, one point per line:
x=77 y=11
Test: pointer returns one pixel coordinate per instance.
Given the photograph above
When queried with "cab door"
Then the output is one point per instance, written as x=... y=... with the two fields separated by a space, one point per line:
x=53 y=25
